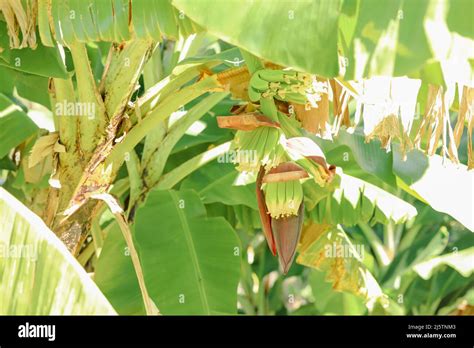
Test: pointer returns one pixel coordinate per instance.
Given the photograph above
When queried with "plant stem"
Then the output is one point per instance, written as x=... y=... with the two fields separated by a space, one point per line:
x=92 y=127
x=63 y=92
x=123 y=73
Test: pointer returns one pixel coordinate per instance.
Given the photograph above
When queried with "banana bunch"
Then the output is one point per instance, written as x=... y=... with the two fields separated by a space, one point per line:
x=315 y=170
x=258 y=147
x=283 y=199
x=286 y=85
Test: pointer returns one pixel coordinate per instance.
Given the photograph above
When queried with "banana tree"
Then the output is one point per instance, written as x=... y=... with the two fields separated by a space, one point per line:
x=165 y=147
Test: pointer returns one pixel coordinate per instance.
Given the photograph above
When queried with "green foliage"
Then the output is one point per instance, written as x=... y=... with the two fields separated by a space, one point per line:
x=81 y=21
x=15 y=125
x=35 y=264
x=196 y=269
x=433 y=179
x=219 y=182
x=25 y=60
x=356 y=201
x=383 y=234
x=424 y=248
x=268 y=31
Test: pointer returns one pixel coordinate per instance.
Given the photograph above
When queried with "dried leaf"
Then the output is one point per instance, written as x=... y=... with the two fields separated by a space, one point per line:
x=20 y=19
x=52 y=206
x=314 y=119
x=470 y=126
x=111 y=202
x=44 y=146
x=287 y=171
x=436 y=124
x=236 y=80
x=387 y=106
x=10 y=19
x=386 y=130
x=328 y=249
x=465 y=116
x=34 y=174
x=431 y=123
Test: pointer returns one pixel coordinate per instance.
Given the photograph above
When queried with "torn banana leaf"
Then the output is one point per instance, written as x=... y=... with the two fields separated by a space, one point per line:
x=461 y=261
x=328 y=248
x=20 y=19
x=112 y=21
x=356 y=201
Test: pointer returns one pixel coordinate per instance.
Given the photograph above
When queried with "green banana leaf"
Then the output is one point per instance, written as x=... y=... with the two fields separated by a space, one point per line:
x=115 y=275
x=388 y=38
x=460 y=302
x=424 y=296
x=28 y=86
x=15 y=125
x=456 y=21
x=462 y=261
x=446 y=187
x=191 y=263
x=43 y=61
x=329 y=302
x=300 y=34
x=38 y=275
x=418 y=175
x=216 y=182
x=356 y=201
x=396 y=38
x=87 y=20
x=370 y=157
x=423 y=248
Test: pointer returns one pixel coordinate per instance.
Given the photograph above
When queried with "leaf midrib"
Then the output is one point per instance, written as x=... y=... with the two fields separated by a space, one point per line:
x=192 y=251
x=214 y=183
